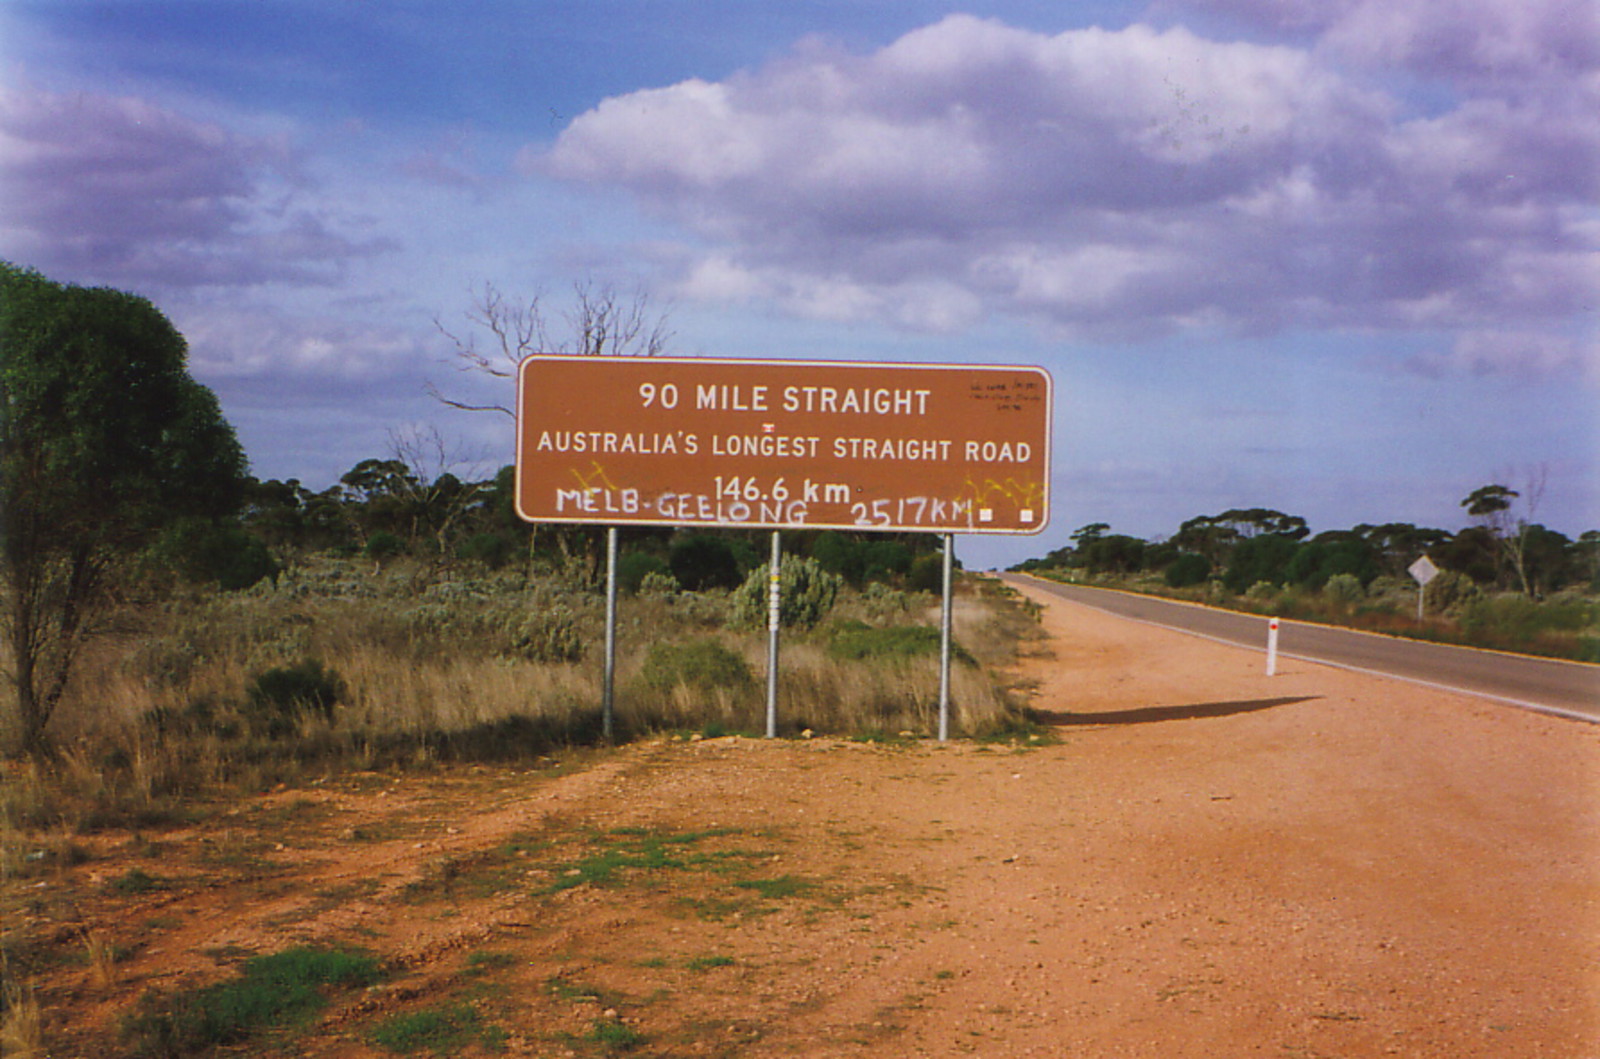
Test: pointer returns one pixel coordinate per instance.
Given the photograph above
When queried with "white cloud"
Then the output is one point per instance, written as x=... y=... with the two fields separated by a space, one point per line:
x=234 y=341
x=1111 y=182
x=119 y=190
x=1520 y=356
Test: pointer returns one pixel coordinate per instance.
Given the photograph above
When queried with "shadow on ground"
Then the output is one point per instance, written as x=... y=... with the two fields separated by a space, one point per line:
x=1150 y=714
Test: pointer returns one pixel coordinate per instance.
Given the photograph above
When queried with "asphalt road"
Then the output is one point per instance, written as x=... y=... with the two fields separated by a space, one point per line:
x=1569 y=689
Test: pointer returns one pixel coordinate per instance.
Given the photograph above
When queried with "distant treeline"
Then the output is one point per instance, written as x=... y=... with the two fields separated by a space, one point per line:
x=385 y=508
x=1244 y=548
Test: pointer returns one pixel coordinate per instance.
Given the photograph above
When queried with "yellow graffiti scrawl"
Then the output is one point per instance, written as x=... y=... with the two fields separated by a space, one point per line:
x=596 y=479
x=1022 y=495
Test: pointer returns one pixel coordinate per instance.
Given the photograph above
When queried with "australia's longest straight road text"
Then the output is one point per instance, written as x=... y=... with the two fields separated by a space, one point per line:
x=1570 y=689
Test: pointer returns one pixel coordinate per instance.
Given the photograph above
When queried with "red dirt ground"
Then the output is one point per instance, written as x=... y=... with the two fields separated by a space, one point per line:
x=1208 y=863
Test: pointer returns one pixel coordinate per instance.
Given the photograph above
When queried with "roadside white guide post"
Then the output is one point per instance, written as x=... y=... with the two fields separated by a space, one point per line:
x=1272 y=647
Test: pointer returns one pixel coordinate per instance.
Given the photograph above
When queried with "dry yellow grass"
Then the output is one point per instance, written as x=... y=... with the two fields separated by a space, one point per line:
x=22 y=1024
x=162 y=710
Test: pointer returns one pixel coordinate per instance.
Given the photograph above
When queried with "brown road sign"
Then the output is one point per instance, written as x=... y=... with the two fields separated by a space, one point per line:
x=783 y=444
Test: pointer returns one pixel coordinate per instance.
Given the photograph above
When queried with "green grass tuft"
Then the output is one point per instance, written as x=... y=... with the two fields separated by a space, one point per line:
x=440 y=1030
x=614 y=1035
x=855 y=641
x=782 y=886
x=281 y=991
x=634 y=850
x=137 y=881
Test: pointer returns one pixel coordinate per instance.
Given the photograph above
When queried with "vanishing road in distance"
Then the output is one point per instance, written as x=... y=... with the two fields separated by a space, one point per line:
x=1569 y=689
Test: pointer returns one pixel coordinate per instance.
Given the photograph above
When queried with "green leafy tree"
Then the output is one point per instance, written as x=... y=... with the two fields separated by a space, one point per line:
x=1396 y=545
x=1473 y=553
x=1329 y=555
x=839 y=554
x=1586 y=559
x=1217 y=536
x=1087 y=535
x=1547 y=559
x=1116 y=553
x=105 y=440
x=1260 y=560
x=1188 y=569
x=1207 y=537
x=1248 y=523
x=700 y=561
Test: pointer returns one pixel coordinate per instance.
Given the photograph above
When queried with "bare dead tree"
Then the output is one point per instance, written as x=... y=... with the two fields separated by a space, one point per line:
x=435 y=493
x=600 y=321
x=1516 y=542
x=1494 y=507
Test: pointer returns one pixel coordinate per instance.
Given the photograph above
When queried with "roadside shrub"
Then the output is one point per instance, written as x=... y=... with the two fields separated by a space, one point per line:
x=549 y=634
x=278 y=694
x=854 y=642
x=1188 y=570
x=700 y=664
x=1514 y=619
x=838 y=554
x=1385 y=586
x=886 y=559
x=1452 y=590
x=1313 y=564
x=490 y=549
x=1262 y=590
x=807 y=593
x=634 y=567
x=883 y=604
x=1344 y=589
x=700 y=561
x=658 y=583
x=230 y=557
x=1510 y=619
x=383 y=545
x=927 y=573
x=1257 y=559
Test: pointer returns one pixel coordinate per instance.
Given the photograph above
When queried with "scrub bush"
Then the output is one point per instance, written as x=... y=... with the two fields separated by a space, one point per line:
x=700 y=664
x=1344 y=589
x=278 y=694
x=658 y=584
x=490 y=549
x=807 y=593
x=1188 y=570
x=927 y=573
x=701 y=561
x=549 y=634
x=634 y=567
x=381 y=546
x=854 y=641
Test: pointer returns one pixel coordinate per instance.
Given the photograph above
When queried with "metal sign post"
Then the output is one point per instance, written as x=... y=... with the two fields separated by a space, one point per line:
x=774 y=618
x=608 y=688
x=944 y=640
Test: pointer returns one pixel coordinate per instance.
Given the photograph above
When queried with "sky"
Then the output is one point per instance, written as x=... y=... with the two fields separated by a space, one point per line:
x=1337 y=258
